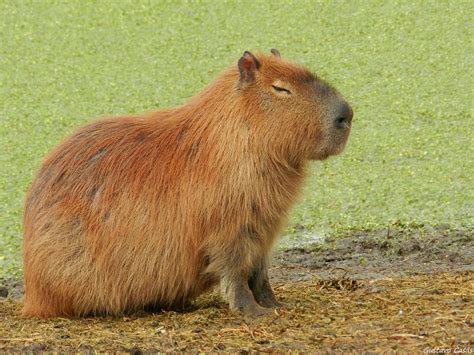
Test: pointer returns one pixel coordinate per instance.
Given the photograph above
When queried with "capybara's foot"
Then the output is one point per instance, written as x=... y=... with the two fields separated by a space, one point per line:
x=261 y=288
x=270 y=302
x=241 y=298
x=265 y=297
x=250 y=308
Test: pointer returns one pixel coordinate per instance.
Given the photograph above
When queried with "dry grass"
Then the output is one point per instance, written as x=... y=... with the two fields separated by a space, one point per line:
x=408 y=313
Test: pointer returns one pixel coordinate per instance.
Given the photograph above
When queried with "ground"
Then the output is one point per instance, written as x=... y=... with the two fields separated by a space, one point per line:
x=390 y=290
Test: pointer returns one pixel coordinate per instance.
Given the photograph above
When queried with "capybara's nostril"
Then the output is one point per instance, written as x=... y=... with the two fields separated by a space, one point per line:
x=344 y=117
x=341 y=122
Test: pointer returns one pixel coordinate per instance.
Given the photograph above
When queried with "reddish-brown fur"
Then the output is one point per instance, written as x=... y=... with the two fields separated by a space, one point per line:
x=153 y=210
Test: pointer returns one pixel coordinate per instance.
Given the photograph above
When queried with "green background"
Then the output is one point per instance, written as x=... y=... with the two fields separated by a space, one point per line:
x=406 y=66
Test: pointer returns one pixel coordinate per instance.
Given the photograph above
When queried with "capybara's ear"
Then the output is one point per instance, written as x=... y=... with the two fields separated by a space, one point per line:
x=276 y=52
x=248 y=65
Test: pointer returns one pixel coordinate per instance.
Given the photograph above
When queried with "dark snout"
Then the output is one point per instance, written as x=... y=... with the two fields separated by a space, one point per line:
x=343 y=115
x=337 y=128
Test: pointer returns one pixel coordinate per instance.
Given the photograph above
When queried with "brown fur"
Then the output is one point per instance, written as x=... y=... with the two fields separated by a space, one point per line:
x=153 y=210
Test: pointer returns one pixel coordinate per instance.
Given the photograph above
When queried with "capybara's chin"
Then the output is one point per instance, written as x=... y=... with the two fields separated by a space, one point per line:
x=340 y=144
x=153 y=210
x=334 y=145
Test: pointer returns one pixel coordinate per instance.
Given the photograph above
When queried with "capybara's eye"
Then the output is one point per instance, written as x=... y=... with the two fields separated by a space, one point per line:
x=281 y=90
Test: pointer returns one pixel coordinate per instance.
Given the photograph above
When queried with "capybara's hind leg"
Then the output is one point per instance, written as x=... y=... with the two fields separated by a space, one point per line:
x=42 y=311
x=260 y=286
x=45 y=305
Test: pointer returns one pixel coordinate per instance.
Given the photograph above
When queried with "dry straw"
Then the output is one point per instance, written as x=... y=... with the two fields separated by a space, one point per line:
x=411 y=313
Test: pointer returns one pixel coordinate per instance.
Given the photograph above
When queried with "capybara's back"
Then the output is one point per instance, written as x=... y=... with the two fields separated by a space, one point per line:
x=152 y=210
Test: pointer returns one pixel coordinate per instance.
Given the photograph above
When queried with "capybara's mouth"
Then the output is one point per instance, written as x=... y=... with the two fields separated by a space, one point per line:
x=342 y=145
x=336 y=145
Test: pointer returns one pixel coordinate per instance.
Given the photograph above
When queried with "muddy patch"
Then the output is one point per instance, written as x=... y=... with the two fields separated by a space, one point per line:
x=375 y=255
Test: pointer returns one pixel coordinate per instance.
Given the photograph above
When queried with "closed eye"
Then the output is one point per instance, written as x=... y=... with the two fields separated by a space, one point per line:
x=280 y=89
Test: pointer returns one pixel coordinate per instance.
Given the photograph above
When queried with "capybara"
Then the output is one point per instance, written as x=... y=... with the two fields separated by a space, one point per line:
x=150 y=211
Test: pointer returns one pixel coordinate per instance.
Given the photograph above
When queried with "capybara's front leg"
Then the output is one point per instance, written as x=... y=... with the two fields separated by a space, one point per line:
x=260 y=286
x=237 y=292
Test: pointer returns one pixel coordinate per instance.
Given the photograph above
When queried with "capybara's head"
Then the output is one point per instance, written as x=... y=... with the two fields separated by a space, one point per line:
x=308 y=117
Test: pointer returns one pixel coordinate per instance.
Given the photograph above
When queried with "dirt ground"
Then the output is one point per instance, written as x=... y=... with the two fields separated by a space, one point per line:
x=398 y=289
